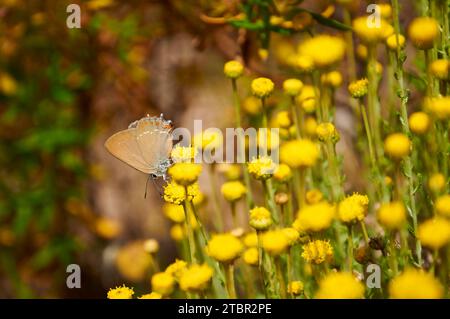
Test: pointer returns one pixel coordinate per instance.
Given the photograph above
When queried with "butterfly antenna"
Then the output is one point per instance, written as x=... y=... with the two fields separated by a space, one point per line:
x=146 y=185
x=157 y=187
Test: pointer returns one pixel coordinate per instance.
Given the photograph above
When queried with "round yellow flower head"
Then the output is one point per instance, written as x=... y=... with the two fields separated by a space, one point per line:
x=397 y=145
x=196 y=278
x=317 y=251
x=260 y=218
x=358 y=88
x=208 y=140
x=340 y=285
x=132 y=261
x=439 y=106
x=332 y=79
x=353 y=208
x=231 y=171
x=233 y=191
x=299 y=153
x=176 y=268
x=282 y=119
x=442 y=205
x=415 y=284
x=152 y=295
x=163 y=283
x=283 y=173
x=392 y=215
x=107 y=228
x=436 y=182
x=121 y=292
x=292 y=87
x=292 y=234
x=276 y=20
x=251 y=239
x=362 y=52
x=262 y=87
x=185 y=173
x=8 y=85
x=174 y=212
x=435 y=232
x=262 y=167
x=307 y=99
x=177 y=232
x=267 y=140
x=176 y=194
x=440 y=69
x=419 y=122
x=263 y=53
x=252 y=105
x=423 y=31
x=310 y=126
x=275 y=242
x=314 y=218
x=151 y=246
x=251 y=256
x=394 y=41
x=233 y=69
x=324 y=50
x=327 y=132
x=385 y=10
x=304 y=63
x=224 y=247
x=369 y=32
x=313 y=196
x=182 y=154
x=295 y=288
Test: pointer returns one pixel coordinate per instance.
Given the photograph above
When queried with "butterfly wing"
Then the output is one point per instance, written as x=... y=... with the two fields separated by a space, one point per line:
x=124 y=146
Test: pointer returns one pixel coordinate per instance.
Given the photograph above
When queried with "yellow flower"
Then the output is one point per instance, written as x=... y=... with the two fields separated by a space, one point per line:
x=176 y=268
x=353 y=208
x=196 y=277
x=185 y=173
x=292 y=87
x=313 y=196
x=394 y=41
x=283 y=173
x=358 y=89
x=251 y=240
x=442 y=205
x=295 y=287
x=340 y=285
x=369 y=33
x=262 y=87
x=177 y=232
x=392 y=215
x=121 y=292
x=434 y=233
x=267 y=140
x=260 y=218
x=263 y=53
x=307 y=99
x=327 y=132
x=8 y=86
x=208 y=140
x=440 y=69
x=310 y=126
x=233 y=191
x=415 y=284
x=231 y=171
x=252 y=105
x=151 y=246
x=224 y=247
x=163 y=283
x=107 y=228
x=317 y=251
x=385 y=10
x=304 y=63
x=332 y=79
x=282 y=120
x=397 y=145
x=152 y=295
x=299 y=153
x=362 y=52
x=262 y=167
x=324 y=50
x=275 y=242
x=439 y=106
x=132 y=261
x=276 y=20
x=423 y=31
x=251 y=256
x=419 y=122
x=176 y=194
x=292 y=234
x=314 y=218
x=233 y=69
x=183 y=154
x=174 y=212
x=436 y=182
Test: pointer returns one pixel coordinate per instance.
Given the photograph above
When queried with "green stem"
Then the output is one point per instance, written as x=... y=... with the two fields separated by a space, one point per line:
x=280 y=276
x=190 y=232
x=298 y=130
x=269 y=194
x=218 y=221
x=233 y=214
x=350 y=248
x=364 y=230
x=229 y=274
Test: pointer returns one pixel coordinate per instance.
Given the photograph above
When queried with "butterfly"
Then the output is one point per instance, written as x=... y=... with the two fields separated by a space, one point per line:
x=145 y=145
